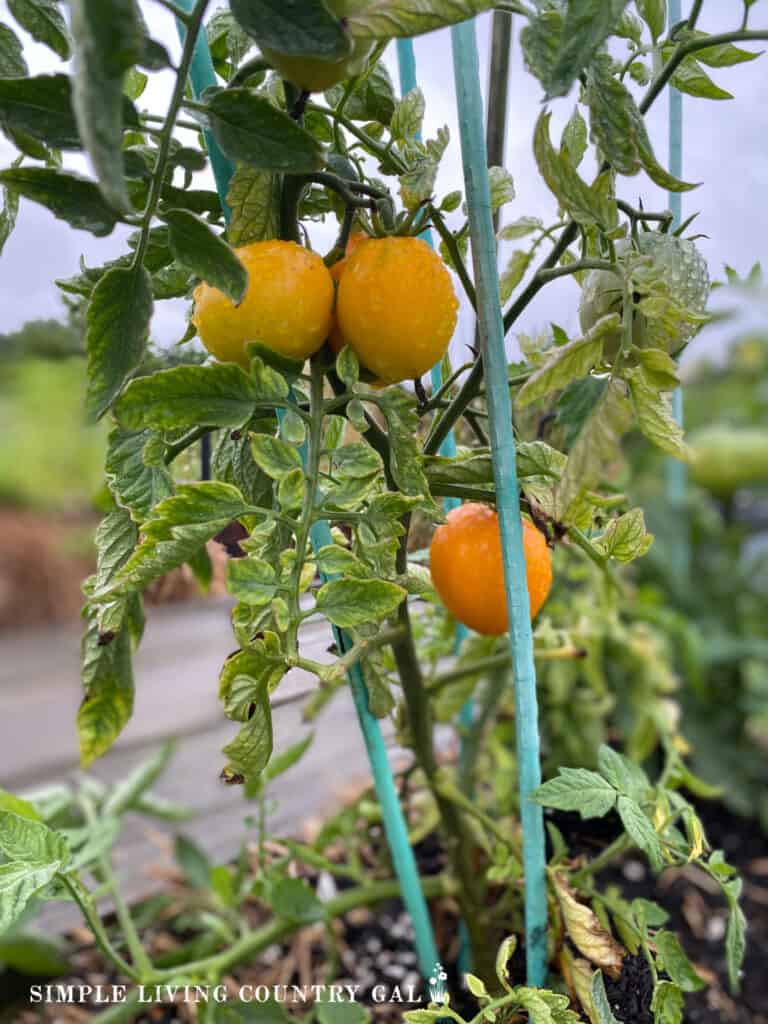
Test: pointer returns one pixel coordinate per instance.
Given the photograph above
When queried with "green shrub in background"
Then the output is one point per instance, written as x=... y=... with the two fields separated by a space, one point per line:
x=60 y=466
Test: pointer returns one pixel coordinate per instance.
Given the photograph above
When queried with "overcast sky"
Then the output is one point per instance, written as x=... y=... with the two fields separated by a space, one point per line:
x=724 y=147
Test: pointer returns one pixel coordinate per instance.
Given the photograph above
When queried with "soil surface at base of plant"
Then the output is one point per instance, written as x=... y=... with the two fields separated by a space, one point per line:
x=374 y=947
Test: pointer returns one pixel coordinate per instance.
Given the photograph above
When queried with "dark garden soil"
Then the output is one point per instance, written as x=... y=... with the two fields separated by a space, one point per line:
x=374 y=947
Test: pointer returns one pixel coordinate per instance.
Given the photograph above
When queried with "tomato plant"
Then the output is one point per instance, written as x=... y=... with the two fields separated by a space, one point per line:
x=300 y=437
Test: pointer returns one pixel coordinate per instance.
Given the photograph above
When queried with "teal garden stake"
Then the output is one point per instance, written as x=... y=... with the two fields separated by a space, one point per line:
x=202 y=77
x=676 y=472
x=491 y=330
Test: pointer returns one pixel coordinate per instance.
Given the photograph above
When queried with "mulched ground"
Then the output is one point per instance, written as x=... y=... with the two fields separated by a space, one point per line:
x=374 y=947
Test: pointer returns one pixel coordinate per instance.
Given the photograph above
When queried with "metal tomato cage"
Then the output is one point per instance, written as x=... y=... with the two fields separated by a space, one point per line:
x=491 y=337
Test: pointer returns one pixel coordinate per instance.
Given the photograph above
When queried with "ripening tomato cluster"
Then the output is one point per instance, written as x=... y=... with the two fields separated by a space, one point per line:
x=390 y=299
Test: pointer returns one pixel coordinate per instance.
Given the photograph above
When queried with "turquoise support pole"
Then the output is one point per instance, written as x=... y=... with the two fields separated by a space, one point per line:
x=202 y=76
x=676 y=473
x=406 y=62
x=491 y=330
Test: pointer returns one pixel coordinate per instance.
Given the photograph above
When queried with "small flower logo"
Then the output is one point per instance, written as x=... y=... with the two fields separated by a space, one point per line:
x=438 y=993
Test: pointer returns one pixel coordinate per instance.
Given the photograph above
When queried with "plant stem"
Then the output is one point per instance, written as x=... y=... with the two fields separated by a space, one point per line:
x=552 y=274
x=253 y=942
x=457 y=836
x=603 y=860
x=89 y=912
x=471 y=386
x=193 y=22
x=692 y=46
x=174 y=450
x=665 y=217
x=494 y=690
x=449 y=240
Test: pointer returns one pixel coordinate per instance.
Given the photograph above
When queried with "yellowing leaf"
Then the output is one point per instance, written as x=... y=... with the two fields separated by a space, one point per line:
x=585 y=931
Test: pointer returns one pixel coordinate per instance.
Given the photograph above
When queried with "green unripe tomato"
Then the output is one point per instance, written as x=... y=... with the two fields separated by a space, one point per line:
x=679 y=263
x=724 y=459
x=315 y=75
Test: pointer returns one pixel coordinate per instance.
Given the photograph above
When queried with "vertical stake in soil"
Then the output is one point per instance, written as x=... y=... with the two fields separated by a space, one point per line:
x=202 y=76
x=676 y=474
x=491 y=330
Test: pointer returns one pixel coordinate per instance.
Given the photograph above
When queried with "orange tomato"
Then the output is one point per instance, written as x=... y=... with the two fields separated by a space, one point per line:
x=467 y=570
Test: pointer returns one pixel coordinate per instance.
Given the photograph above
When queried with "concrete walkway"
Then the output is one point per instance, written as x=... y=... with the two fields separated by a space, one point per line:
x=176 y=672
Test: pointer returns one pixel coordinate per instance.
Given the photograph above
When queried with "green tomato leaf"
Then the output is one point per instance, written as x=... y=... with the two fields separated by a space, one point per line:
x=253 y=199
x=251 y=580
x=668 y=1003
x=625 y=538
x=386 y=19
x=372 y=99
x=44 y=22
x=8 y=215
x=568 y=362
x=600 y=1002
x=108 y=38
x=118 y=320
x=68 y=196
x=691 y=78
x=274 y=456
x=296 y=29
x=137 y=477
x=293 y=900
x=41 y=106
x=407 y=116
x=179 y=527
x=219 y=395
x=251 y=129
x=586 y=26
x=22 y=839
x=640 y=830
x=34 y=955
x=577 y=789
x=587 y=205
x=128 y=791
x=653 y=409
x=259 y=667
x=676 y=963
x=654 y=14
x=519 y=228
x=623 y=774
x=107 y=677
x=19 y=882
x=286 y=759
x=12 y=63
x=291 y=490
x=736 y=932
x=597 y=444
x=724 y=55
x=350 y=602
x=205 y=253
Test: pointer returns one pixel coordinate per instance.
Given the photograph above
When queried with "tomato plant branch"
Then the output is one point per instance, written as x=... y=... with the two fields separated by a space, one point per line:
x=193 y=23
x=84 y=901
x=255 y=941
x=457 y=835
x=574 y=268
x=603 y=860
x=353 y=193
x=450 y=243
x=471 y=386
x=172 y=451
x=684 y=50
x=664 y=217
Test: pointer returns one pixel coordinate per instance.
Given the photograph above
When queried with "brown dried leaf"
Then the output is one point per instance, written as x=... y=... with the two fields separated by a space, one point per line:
x=585 y=931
